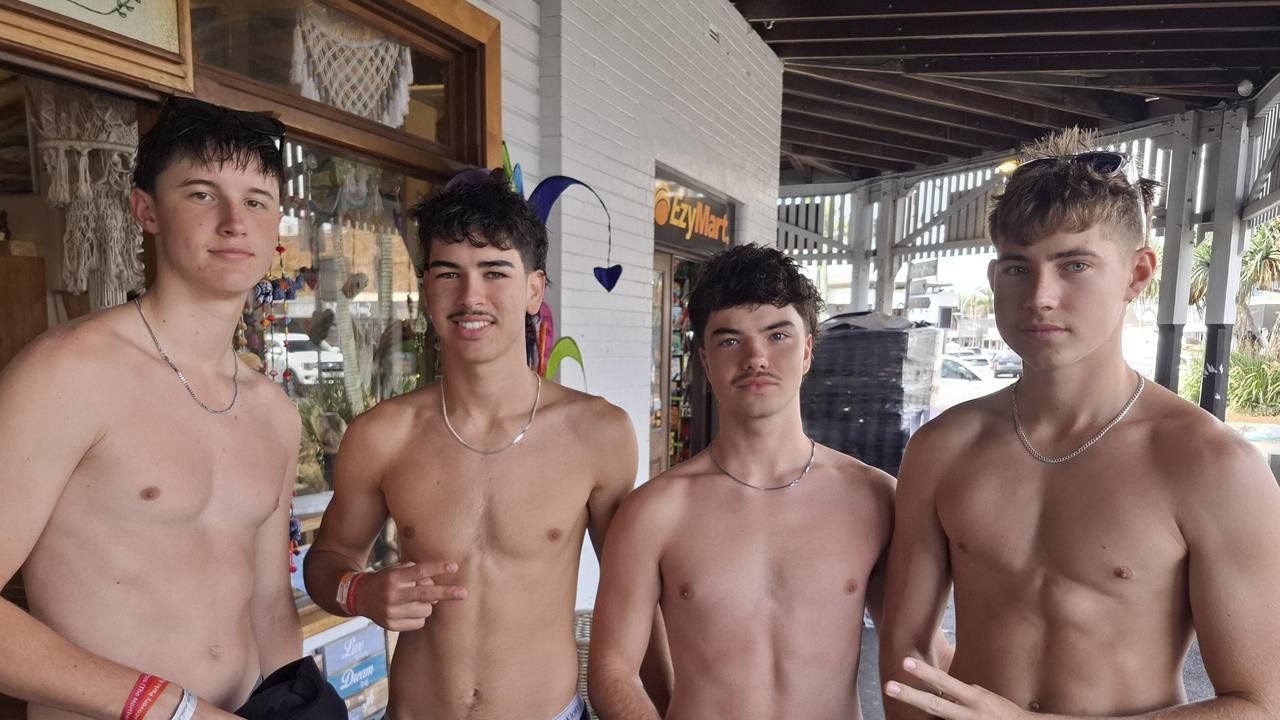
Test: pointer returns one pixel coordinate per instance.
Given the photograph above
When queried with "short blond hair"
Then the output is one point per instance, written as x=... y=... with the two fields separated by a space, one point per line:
x=1046 y=197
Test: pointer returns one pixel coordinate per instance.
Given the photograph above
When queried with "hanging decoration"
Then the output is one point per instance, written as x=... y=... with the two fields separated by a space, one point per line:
x=544 y=197
x=545 y=353
x=351 y=67
x=87 y=142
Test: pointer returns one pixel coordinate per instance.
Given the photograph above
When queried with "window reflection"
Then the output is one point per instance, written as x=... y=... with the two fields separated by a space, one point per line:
x=344 y=329
x=320 y=53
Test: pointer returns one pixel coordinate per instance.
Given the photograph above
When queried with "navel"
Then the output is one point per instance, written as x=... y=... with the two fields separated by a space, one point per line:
x=215 y=650
x=1123 y=572
x=686 y=591
x=408 y=531
x=149 y=493
x=554 y=534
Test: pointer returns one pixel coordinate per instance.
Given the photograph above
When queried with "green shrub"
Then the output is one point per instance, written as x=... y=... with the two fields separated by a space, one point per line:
x=1253 y=385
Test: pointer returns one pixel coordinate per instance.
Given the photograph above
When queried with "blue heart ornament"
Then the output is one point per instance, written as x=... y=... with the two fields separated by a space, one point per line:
x=608 y=276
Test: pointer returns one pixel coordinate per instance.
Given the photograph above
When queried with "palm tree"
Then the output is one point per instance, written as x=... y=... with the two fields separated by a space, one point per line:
x=1259 y=270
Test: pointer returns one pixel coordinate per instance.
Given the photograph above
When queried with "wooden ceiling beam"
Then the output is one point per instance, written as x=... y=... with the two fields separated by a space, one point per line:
x=826 y=89
x=801 y=121
x=1096 y=21
x=790 y=10
x=1029 y=45
x=844 y=158
x=1100 y=104
x=863 y=117
x=1113 y=62
x=860 y=147
x=955 y=98
x=1121 y=80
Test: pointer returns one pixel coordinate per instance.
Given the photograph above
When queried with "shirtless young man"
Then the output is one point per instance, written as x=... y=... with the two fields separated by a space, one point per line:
x=762 y=550
x=491 y=475
x=149 y=514
x=1086 y=551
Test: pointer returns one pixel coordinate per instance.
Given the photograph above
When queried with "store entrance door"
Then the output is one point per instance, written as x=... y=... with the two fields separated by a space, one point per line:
x=682 y=411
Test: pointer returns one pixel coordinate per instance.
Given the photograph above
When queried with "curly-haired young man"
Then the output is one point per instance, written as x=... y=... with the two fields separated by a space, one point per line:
x=763 y=550
x=492 y=476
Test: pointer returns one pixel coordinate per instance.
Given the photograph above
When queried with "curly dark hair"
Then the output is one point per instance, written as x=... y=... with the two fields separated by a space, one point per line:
x=205 y=142
x=751 y=275
x=486 y=213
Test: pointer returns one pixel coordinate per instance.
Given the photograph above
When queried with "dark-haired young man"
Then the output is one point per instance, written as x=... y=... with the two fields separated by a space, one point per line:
x=148 y=508
x=762 y=550
x=1091 y=520
x=491 y=475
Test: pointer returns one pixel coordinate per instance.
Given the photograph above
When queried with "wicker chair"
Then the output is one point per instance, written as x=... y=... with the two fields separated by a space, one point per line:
x=582 y=635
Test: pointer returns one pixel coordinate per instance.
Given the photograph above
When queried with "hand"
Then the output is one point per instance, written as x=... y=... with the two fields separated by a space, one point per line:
x=402 y=598
x=952 y=699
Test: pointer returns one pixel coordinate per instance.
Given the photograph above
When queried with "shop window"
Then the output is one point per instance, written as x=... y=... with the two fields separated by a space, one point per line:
x=344 y=328
x=323 y=54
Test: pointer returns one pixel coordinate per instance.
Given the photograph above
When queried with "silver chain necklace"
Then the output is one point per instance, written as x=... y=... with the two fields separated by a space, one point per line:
x=813 y=451
x=444 y=410
x=1026 y=442
x=235 y=371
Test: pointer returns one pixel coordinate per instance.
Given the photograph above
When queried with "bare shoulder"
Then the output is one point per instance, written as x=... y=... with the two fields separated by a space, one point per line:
x=268 y=395
x=852 y=469
x=1200 y=456
x=669 y=492
x=590 y=417
x=392 y=423
x=86 y=354
x=956 y=431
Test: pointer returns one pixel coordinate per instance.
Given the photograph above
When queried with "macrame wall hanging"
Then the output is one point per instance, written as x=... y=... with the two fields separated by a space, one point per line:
x=351 y=67
x=87 y=142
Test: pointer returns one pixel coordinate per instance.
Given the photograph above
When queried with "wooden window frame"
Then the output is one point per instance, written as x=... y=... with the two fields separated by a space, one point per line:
x=57 y=44
x=466 y=38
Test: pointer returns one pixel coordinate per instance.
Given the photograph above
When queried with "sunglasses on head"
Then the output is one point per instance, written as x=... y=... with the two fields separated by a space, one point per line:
x=210 y=113
x=1107 y=163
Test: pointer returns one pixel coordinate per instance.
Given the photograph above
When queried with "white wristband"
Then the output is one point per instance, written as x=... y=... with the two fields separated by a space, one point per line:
x=187 y=707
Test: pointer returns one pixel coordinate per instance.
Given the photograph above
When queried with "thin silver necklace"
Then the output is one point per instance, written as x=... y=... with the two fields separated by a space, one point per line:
x=444 y=410
x=1026 y=442
x=813 y=451
x=235 y=371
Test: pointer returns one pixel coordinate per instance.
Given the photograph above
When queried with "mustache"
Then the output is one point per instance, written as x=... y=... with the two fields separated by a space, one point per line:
x=471 y=313
x=752 y=375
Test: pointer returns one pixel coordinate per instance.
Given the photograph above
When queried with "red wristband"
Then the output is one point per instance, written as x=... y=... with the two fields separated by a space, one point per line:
x=351 y=592
x=143 y=696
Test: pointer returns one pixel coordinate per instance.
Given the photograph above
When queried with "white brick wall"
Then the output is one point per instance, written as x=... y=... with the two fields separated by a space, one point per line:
x=604 y=91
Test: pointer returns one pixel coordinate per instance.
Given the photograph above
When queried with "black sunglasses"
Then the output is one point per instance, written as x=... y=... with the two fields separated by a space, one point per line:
x=1106 y=162
x=210 y=113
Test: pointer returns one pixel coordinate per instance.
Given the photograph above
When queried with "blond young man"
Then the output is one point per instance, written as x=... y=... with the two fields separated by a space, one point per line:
x=1090 y=520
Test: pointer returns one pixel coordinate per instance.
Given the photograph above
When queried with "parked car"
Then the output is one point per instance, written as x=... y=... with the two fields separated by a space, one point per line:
x=973 y=356
x=307 y=363
x=1007 y=363
x=959 y=380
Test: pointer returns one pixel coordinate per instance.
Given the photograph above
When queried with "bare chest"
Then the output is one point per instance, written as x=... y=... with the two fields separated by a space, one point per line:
x=1098 y=526
x=174 y=463
x=729 y=560
x=524 y=503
